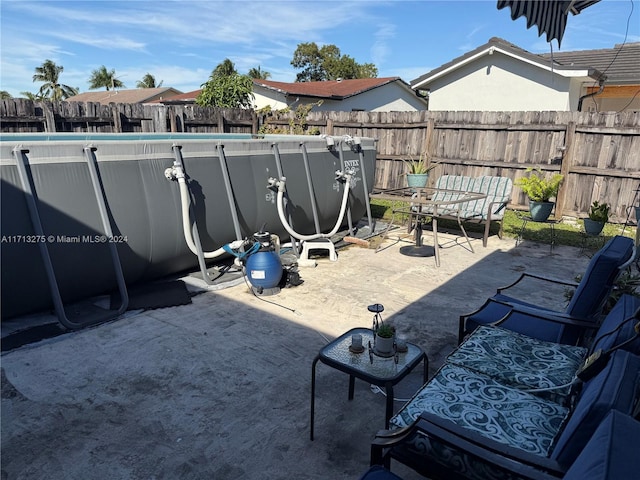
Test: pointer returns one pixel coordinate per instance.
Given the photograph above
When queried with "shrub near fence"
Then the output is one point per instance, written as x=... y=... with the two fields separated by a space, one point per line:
x=598 y=153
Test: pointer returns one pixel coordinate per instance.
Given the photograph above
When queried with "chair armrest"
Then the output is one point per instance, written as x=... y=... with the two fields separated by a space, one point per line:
x=541 y=314
x=537 y=277
x=483 y=450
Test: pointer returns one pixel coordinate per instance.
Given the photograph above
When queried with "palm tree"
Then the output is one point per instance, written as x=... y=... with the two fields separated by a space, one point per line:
x=148 y=81
x=101 y=77
x=4 y=95
x=258 y=74
x=34 y=97
x=49 y=73
x=224 y=69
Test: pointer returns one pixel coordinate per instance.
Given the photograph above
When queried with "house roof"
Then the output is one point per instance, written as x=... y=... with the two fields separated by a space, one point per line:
x=500 y=45
x=331 y=89
x=188 y=97
x=137 y=95
x=621 y=63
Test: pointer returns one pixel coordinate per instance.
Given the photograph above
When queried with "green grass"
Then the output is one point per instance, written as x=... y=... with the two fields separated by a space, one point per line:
x=567 y=232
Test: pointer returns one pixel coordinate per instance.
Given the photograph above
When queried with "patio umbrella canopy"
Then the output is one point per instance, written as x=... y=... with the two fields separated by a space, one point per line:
x=549 y=15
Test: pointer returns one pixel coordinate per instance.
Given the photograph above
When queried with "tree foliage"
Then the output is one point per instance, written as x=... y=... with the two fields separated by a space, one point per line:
x=226 y=88
x=148 y=81
x=101 y=77
x=4 y=95
x=297 y=125
x=34 y=97
x=49 y=73
x=327 y=63
x=258 y=73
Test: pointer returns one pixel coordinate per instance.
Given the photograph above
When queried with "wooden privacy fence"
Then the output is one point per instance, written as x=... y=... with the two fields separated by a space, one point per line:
x=20 y=115
x=598 y=153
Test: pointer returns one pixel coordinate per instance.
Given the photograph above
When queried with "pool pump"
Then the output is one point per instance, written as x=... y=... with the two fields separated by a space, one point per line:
x=263 y=266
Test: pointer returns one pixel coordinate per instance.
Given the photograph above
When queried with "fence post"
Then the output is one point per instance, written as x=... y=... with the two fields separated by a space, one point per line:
x=49 y=117
x=220 y=115
x=117 y=123
x=329 y=126
x=565 y=166
x=428 y=137
x=255 y=124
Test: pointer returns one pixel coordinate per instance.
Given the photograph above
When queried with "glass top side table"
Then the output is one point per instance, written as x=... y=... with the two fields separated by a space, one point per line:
x=368 y=366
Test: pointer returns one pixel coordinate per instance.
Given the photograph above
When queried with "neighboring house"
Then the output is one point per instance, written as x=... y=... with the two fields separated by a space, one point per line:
x=621 y=65
x=362 y=94
x=137 y=95
x=499 y=76
x=188 y=98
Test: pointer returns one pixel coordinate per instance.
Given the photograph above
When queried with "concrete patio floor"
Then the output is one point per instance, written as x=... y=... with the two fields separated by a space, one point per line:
x=220 y=388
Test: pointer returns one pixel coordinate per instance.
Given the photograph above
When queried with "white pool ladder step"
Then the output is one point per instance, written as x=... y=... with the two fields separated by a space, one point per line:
x=320 y=243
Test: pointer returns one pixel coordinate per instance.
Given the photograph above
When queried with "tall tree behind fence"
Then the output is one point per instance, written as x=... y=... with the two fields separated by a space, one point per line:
x=598 y=153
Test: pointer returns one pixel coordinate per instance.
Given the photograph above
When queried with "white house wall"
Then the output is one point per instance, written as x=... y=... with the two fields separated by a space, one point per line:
x=387 y=98
x=497 y=83
x=265 y=97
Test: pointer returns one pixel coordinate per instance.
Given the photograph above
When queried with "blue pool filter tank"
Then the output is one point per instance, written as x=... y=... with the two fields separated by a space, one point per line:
x=264 y=268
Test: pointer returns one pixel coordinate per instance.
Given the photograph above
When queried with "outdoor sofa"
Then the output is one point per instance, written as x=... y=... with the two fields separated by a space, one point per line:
x=484 y=211
x=505 y=405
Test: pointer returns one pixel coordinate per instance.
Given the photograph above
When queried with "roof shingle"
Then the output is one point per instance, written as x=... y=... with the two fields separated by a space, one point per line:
x=335 y=89
x=620 y=64
x=137 y=95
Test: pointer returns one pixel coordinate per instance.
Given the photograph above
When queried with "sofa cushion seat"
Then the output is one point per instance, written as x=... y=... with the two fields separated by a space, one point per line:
x=612 y=451
x=616 y=387
x=481 y=404
x=521 y=361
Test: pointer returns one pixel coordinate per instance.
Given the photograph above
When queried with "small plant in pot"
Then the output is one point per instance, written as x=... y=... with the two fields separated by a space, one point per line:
x=418 y=170
x=598 y=216
x=540 y=191
x=384 y=338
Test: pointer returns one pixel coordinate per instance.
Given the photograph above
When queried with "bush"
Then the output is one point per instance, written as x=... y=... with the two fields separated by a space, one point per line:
x=537 y=187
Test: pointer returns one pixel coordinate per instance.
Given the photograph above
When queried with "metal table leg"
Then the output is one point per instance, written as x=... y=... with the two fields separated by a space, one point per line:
x=313 y=393
x=352 y=382
x=389 y=408
x=436 y=246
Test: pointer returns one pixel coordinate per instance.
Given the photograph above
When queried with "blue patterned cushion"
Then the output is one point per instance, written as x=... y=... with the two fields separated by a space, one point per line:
x=481 y=404
x=520 y=361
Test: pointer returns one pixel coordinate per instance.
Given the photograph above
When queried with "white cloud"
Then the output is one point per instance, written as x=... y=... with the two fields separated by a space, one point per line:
x=114 y=42
x=380 y=50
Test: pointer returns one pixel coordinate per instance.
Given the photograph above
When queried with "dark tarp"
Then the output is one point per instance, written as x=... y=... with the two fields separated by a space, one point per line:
x=549 y=15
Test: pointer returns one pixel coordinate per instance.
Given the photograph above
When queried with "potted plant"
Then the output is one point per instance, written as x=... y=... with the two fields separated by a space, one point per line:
x=384 y=338
x=598 y=216
x=418 y=170
x=540 y=190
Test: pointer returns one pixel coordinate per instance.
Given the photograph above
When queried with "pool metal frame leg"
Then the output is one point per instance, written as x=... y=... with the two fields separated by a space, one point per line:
x=28 y=187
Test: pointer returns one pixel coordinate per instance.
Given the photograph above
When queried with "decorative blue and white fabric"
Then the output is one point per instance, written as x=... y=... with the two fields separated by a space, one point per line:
x=516 y=418
x=521 y=361
x=479 y=403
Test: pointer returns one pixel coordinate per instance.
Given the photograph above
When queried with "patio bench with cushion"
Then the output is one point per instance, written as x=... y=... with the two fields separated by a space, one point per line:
x=513 y=410
x=484 y=211
x=520 y=426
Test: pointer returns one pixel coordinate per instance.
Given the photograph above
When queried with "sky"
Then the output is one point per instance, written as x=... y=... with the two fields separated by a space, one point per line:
x=181 y=42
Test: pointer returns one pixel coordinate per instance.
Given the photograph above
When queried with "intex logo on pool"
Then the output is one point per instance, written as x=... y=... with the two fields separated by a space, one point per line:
x=351 y=163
